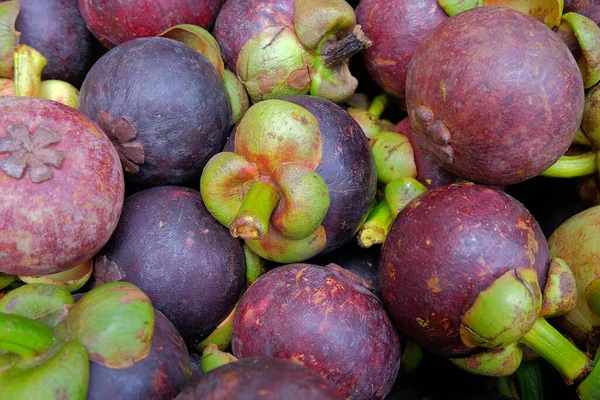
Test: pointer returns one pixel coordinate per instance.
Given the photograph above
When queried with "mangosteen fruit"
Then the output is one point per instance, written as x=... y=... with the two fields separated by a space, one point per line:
x=56 y=29
x=299 y=181
x=163 y=105
x=168 y=245
x=61 y=186
x=114 y=21
x=588 y=8
x=261 y=378
x=494 y=96
x=324 y=318
x=288 y=47
x=396 y=29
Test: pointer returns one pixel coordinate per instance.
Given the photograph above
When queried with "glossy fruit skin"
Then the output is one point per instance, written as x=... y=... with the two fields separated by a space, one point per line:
x=56 y=29
x=494 y=96
x=347 y=167
x=116 y=21
x=161 y=375
x=396 y=29
x=262 y=378
x=443 y=249
x=322 y=319
x=173 y=100
x=239 y=20
x=168 y=245
x=53 y=225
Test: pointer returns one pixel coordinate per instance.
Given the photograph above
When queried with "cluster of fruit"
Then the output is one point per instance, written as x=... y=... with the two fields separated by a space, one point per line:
x=299 y=199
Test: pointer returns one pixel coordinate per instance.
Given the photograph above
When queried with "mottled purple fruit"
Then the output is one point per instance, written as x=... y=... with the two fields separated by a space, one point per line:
x=168 y=245
x=494 y=96
x=262 y=378
x=324 y=318
x=61 y=187
x=56 y=29
x=116 y=21
x=161 y=375
x=443 y=249
x=396 y=29
x=163 y=105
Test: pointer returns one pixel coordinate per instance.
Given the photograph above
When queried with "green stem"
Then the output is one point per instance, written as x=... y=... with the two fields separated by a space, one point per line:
x=255 y=266
x=582 y=139
x=589 y=389
x=221 y=336
x=379 y=104
x=505 y=385
x=252 y=219
x=573 y=166
x=29 y=64
x=24 y=336
x=530 y=380
x=546 y=341
x=375 y=229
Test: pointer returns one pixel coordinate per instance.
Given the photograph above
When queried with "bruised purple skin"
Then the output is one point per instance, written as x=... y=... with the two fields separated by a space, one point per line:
x=169 y=245
x=116 y=21
x=262 y=378
x=347 y=167
x=56 y=29
x=494 y=96
x=396 y=29
x=161 y=375
x=446 y=247
x=171 y=102
x=55 y=224
x=324 y=320
x=589 y=8
x=429 y=173
x=239 y=20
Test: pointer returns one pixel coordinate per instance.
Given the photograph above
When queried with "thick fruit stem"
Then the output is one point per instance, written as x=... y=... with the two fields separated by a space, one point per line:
x=379 y=104
x=589 y=389
x=29 y=64
x=376 y=228
x=573 y=166
x=546 y=341
x=24 y=336
x=252 y=219
x=336 y=51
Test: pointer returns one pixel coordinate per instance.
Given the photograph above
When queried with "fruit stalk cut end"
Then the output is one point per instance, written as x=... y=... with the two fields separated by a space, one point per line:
x=337 y=51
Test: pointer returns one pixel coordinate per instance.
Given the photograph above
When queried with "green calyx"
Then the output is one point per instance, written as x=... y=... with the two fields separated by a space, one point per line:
x=588 y=37
x=213 y=357
x=394 y=156
x=6 y=280
x=560 y=292
x=590 y=122
x=9 y=37
x=47 y=304
x=400 y=192
x=504 y=312
x=268 y=192
x=60 y=91
x=221 y=336
x=24 y=336
x=501 y=361
x=115 y=323
x=592 y=294
x=571 y=166
x=238 y=97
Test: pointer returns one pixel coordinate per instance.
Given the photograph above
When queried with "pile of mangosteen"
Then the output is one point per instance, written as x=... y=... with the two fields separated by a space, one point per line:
x=299 y=199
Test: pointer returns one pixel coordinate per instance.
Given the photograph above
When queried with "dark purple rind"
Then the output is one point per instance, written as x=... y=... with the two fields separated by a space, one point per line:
x=347 y=167
x=396 y=28
x=188 y=264
x=160 y=376
x=443 y=249
x=261 y=378
x=116 y=21
x=56 y=29
x=324 y=320
x=505 y=96
x=588 y=8
x=175 y=98
x=239 y=20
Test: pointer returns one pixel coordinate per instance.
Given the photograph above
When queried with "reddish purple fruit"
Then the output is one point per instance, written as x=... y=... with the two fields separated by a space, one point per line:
x=494 y=96
x=396 y=29
x=261 y=378
x=56 y=29
x=161 y=375
x=163 y=105
x=588 y=8
x=168 y=245
x=116 y=21
x=325 y=319
x=443 y=249
x=61 y=187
